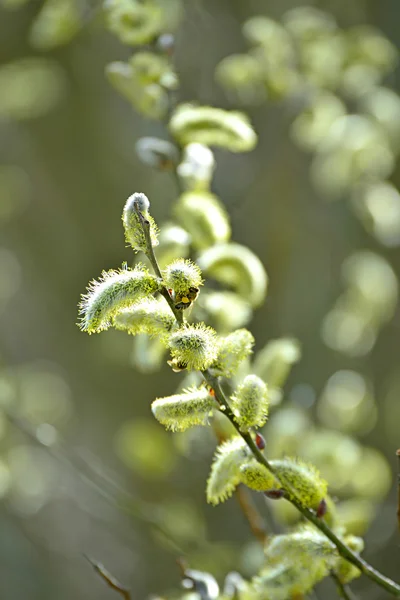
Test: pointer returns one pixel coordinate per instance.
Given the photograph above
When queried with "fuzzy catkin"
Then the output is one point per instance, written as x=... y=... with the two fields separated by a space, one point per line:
x=111 y=293
x=181 y=411
x=250 y=403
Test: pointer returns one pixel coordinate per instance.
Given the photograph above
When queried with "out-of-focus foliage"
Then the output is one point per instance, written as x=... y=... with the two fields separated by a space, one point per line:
x=330 y=85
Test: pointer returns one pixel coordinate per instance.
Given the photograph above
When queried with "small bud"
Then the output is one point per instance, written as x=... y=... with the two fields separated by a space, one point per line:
x=204 y=217
x=274 y=494
x=257 y=477
x=250 y=403
x=212 y=127
x=157 y=153
x=134 y=233
x=233 y=350
x=225 y=471
x=181 y=411
x=194 y=346
x=322 y=509
x=111 y=293
x=238 y=267
x=183 y=278
x=301 y=480
x=260 y=441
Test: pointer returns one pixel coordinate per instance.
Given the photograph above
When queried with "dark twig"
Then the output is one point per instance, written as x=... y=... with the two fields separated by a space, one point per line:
x=110 y=580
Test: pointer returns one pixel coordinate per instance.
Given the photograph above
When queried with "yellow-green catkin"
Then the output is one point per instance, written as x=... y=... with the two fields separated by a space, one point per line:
x=250 y=403
x=134 y=232
x=233 y=349
x=212 y=127
x=181 y=411
x=203 y=215
x=181 y=275
x=114 y=291
x=150 y=315
x=301 y=481
x=193 y=347
x=257 y=477
x=225 y=473
x=286 y=580
x=301 y=545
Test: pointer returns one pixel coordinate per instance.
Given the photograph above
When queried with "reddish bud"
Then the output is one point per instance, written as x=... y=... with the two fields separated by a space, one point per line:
x=322 y=508
x=260 y=441
x=274 y=494
x=211 y=391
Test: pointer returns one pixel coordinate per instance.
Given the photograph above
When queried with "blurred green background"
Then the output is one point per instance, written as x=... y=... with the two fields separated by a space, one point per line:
x=64 y=176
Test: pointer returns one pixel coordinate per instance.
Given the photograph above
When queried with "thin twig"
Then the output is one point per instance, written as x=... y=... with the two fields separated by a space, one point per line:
x=251 y=513
x=343 y=590
x=343 y=550
x=152 y=258
x=110 y=580
x=104 y=486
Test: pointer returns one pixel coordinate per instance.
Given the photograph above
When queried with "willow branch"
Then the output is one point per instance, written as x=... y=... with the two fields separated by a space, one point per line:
x=342 y=548
x=153 y=261
x=214 y=383
x=110 y=580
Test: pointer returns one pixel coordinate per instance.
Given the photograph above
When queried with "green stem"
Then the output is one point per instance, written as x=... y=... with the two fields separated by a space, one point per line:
x=153 y=261
x=215 y=384
x=343 y=550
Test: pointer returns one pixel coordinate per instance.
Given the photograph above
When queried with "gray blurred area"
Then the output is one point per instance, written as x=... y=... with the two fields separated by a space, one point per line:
x=88 y=493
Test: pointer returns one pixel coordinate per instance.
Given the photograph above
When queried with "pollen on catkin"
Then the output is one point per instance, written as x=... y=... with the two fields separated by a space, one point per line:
x=134 y=233
x=233 y=349
x=182 y=274
x=195 y=347
x=301 y=480
x=111 y=293
x=181 y=411
x=257 y=477
x=150 y=315
x=250 y=403
x=225 y=473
